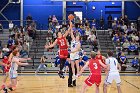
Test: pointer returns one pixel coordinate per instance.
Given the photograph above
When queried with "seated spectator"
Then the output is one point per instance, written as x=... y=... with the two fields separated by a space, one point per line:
x=123 y=61
x=49 y=20
x=93 y=24
x=42 y=64
x=24 y=51
x=5 y=50
x=132 y=48
x=124 y=38
x=10 y=42
x=11 y=26
x=125 y=45
x=116 y=39
x=0 y=44
x=87 y=32
x=54 y=20
x=50 y=42
x=92 y=37
x=135 y=63
x=1 y=28
x=31 y=32
x=139 y=63
x=1 y=54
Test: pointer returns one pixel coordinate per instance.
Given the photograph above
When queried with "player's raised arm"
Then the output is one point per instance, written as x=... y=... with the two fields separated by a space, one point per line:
x=68 y=31
x=52 y=45
x=24 y=59
x=102 y=64
x=85 y=66
x=72 y=35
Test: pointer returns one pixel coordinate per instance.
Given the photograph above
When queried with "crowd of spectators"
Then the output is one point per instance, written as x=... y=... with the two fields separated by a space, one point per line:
x=86 y=30
x=126 y=37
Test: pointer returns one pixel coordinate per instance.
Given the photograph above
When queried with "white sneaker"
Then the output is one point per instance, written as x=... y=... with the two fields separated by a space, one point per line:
x=45 y=73
x=73 y=78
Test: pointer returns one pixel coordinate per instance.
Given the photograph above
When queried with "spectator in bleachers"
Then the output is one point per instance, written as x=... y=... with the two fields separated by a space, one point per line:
x=29 y=19
x=1 y=54
x=116 y=39
x=124 y=38
x=87 y=32
x=54 y=20
x=123 y=61
x=49 y=21
x=92 y=37
x=109 y=18
x=11 y=26
x=0 y=44
x=1 y=28
x=135 y=63
x=24 y=51
x=93 y=25
x=139 y=63
x=5 y=50
x=132 y=48
x=138 y=23
x=125 y=45
x=126 y=20
x=42 y=64
x=50 y=42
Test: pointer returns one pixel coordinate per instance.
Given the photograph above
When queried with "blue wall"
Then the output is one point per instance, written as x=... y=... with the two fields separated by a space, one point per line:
x=90 y=14
x=41 y=9
x=11 y=12
x=132 y=10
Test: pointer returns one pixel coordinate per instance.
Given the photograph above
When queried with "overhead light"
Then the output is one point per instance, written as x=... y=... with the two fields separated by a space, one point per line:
x=74 y=3
x=93 y=7
x=113 y=3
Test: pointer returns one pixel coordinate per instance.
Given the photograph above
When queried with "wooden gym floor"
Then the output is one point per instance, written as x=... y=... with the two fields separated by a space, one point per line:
x=51 y=83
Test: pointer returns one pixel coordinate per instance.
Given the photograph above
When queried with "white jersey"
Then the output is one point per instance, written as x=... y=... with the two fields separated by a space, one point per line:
x=113 y=71
x=74 y=45
x=14 y=65
x=113 y=64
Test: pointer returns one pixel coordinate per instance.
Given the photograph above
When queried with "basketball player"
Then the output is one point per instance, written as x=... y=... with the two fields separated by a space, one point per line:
x=8 y=65
x=113 y=72
x=13 y=69
x=63 y=48
x=74 y=55
x=95 y=72
x=100 y=57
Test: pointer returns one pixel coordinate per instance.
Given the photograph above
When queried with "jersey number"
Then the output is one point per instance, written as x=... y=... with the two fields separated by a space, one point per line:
x=95 y=66
x=62 y=42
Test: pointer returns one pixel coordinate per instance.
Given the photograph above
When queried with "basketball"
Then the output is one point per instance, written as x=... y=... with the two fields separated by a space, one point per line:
x=70 y=17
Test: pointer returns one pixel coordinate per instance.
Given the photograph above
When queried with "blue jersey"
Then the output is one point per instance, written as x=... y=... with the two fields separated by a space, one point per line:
x=135 y=62
x=66 y=63
x=81 y=63
x=123 y=58
x=85 y=58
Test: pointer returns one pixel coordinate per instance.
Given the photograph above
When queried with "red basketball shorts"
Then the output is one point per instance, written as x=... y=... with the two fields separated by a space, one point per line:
x=93 y=79
x=63 y=53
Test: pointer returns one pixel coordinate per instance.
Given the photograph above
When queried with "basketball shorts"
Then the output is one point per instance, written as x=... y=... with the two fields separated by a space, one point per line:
x=93 y=79
x=113 y=76
x=74 y=56
x=63 y=53
x=81 y=63
x=13 y=74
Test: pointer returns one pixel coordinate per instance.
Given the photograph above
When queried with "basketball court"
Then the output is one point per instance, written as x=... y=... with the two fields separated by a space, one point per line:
x=51 y=83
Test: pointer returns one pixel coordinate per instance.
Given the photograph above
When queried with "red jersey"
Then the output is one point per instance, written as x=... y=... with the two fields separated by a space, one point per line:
x=94 y=67
x=62 y=42
x=6 y=68
x=99 y=57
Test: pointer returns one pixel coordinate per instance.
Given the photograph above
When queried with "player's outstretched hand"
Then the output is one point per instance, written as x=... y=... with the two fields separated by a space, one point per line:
x=46 y=46
x=29 y=58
